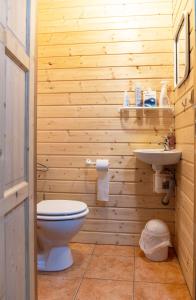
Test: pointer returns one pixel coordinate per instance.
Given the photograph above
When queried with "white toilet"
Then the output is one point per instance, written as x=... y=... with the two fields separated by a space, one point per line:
x=58 y=221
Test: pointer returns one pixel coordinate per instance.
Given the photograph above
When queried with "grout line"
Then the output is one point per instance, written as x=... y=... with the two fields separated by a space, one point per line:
x=129 y=281
x=76 y=292
x=83 y=276
x=109 y=279
x=162 y=283
x=91 y=256
x=128 y=256
x=93 y=252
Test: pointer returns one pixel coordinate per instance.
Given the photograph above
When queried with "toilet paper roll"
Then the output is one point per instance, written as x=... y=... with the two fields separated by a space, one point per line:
x=103 y=179
x=102 y=164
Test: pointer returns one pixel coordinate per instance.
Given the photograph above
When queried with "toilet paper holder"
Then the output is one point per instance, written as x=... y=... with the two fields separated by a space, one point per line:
x=90 y=162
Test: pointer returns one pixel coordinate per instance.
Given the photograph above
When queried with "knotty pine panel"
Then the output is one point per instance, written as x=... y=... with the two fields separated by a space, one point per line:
x=89 y=53
x=124 y=201
x=106 y=46
x=87 y=12
x=108 y=36
x=51 y=4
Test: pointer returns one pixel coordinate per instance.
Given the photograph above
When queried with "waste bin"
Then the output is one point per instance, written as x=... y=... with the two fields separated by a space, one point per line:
x=155 y=240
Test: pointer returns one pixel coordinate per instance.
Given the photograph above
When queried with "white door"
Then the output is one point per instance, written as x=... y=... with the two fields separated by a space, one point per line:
x=17 y=217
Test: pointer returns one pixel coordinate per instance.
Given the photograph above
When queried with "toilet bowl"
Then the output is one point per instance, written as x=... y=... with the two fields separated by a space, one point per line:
x=57 y=222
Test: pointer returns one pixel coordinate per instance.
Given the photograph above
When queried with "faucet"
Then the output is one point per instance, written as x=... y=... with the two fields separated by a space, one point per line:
x=165 y=143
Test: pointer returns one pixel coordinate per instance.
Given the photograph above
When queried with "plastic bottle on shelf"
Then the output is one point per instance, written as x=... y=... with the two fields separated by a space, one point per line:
x=164 y=99
x=138 y=95
x=126 y=99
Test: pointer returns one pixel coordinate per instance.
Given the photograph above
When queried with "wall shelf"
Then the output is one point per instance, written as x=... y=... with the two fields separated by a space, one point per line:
x=121 y=109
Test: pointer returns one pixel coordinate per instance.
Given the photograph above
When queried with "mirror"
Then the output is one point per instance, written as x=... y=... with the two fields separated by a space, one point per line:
x=181 y=51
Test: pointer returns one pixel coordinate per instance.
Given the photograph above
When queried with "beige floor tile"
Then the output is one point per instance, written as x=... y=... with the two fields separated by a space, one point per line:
x=158 y=272
x=82 y=248
x=113 y=250
x=79 y=266
x=109 y=276
x=77 y=270
x=53 y=287
x=110 y=267
x=138 y=251
x=96 y=289
x=151 y=291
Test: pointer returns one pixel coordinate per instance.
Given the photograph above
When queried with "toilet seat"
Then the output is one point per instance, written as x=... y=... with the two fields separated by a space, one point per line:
x=60 y=207
x=61 y=218
x=55 y=210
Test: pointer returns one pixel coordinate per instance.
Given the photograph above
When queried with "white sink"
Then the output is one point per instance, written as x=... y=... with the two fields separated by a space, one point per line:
x=158 y=157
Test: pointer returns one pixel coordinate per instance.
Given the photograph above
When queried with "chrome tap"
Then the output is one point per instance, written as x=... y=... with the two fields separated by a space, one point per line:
x=165 y=143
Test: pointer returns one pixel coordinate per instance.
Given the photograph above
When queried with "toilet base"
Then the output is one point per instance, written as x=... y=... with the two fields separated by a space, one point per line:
x=56 y=259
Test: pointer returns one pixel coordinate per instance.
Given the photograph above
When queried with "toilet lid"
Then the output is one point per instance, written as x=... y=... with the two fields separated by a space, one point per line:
x=60 y=207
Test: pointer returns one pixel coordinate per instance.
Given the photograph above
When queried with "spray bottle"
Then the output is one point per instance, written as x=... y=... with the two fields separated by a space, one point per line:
x=164 y=99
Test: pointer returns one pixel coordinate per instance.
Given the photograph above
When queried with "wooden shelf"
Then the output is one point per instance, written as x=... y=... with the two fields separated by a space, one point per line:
x=146 y=108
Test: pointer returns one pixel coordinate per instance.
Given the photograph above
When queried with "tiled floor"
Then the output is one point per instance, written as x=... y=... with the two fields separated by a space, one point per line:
x=103 y=272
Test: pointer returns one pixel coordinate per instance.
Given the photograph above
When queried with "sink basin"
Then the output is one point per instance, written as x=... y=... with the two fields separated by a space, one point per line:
x=158 y=157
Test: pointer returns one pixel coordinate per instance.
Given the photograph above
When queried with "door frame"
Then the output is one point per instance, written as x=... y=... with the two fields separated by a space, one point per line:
x=32 y=148
x=194 y=101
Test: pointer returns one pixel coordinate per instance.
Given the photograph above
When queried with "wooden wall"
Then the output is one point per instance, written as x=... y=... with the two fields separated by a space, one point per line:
x=184 y=125
x=90 y=52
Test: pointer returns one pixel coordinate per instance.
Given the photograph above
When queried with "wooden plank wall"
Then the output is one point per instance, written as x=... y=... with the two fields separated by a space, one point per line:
x=89 y=53
x=184 y=125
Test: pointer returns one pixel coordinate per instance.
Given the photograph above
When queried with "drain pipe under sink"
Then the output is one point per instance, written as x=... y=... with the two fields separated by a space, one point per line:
x=166 y=198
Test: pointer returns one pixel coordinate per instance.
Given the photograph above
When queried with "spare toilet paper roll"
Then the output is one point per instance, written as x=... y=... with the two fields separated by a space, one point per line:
x=103 y=179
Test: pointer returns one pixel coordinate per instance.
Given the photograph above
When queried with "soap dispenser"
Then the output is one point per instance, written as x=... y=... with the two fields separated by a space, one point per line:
x=171 y=139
